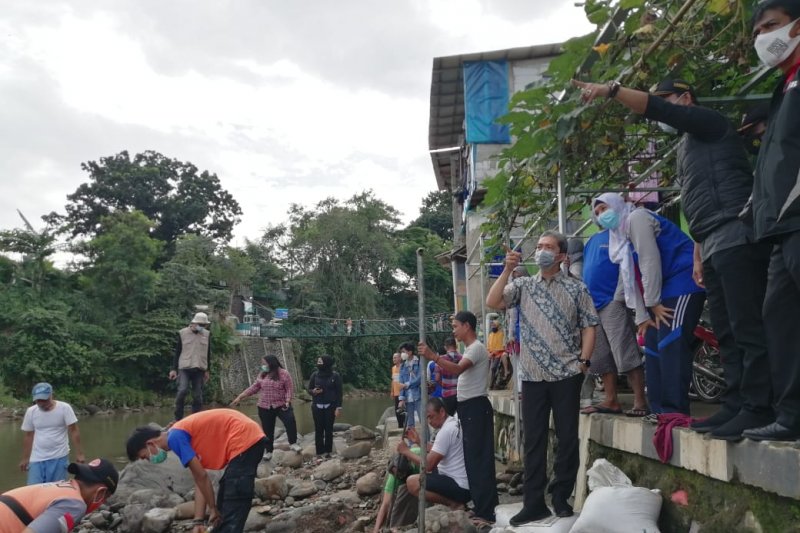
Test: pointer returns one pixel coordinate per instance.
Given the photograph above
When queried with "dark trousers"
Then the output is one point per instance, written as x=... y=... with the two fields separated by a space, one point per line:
x=477 y=426
x=736 y=282
x=268 y=417
x=399 y=414
x=668 y=350
x=538 y=399
x=781 y=313
x=187 y=377
x=323 y=428
x=236 y=489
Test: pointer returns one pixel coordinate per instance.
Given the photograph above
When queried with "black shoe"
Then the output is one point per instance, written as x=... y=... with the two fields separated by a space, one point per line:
x=717 y=419
x=562 y=509
x=774 y=431
x=732 y=430
x=525 y=516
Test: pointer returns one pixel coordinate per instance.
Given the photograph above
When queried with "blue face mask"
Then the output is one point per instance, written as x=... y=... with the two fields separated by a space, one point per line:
x=159 y=457
x=609 y=219
x=264 y=368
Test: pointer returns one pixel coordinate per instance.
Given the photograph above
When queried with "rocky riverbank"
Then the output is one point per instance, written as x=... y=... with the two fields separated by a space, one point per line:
x=294 y=492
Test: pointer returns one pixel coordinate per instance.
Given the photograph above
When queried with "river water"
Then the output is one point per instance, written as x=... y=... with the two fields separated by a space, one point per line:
x=105 y=435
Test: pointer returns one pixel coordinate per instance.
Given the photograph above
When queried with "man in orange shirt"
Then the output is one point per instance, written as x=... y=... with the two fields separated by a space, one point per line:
x=397 y=388
x=58 y=507
x=213 y=439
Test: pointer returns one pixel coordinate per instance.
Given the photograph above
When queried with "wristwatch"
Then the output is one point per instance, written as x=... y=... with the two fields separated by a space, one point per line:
x=613 y=88
x=585 y=362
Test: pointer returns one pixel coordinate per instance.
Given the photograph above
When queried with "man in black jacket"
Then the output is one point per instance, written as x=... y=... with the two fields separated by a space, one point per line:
x=716 y=180
x=776 y=211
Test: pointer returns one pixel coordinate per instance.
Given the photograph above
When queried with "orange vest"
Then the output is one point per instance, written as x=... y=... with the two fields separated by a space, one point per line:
x=36 y=499
x=397 y=387
x=219 y=435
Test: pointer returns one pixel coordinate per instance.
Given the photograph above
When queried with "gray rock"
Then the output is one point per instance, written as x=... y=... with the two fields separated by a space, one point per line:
x=321 y=485
x=132 y=516
x=368 y=484
x=309 y=452
x=169 y=476
x=184 y=511
x=291 y=459
x=303 y=490
x=339 y=426
x=357 y=450
x=329 y=470
x=449 y=521
x=255 y=521
x=99 y=521
x=264 y=469
x=154 y=498
x=359 y=433
x=289 y=500
x=346 y=496
x=157 y=520
x=272 y=488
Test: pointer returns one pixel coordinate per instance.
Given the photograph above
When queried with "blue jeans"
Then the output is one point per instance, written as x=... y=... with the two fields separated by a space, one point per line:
x=411 y=413
x=47 y=471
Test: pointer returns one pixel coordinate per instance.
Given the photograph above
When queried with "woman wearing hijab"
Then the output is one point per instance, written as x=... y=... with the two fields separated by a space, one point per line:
x=275 y=401
x=325 y=387
x=670 y=307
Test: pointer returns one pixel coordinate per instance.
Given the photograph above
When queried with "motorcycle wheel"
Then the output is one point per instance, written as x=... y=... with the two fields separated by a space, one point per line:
x=707 y=389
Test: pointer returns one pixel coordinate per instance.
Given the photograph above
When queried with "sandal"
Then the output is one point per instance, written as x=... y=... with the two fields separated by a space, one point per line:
x=633 y=412
x=602 y=409
x=481 y=525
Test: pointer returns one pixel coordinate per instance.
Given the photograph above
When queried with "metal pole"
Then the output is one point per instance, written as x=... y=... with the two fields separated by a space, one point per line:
x=423 y=395
x=562 y=202
x=483 y=291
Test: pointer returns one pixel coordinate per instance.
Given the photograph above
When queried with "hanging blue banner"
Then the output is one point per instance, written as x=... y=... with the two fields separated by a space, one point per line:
x=485 y=100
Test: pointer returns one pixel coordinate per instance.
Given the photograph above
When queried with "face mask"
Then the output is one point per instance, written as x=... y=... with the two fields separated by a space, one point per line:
x=264 y=368
x=404 y=356
x=666 y=128
x=544 y=258
x=775 y=47
x=159 y=457
x=609 y=219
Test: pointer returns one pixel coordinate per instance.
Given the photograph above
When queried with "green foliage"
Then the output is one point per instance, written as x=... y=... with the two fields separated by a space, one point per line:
x=176 y=195
x=601 y=146
x=436 y=214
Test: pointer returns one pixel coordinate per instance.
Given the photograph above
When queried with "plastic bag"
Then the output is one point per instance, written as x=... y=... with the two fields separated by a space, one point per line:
x=604 y=474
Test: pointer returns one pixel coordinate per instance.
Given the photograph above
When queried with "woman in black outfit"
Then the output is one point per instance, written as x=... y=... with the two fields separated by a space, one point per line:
x=325 y=387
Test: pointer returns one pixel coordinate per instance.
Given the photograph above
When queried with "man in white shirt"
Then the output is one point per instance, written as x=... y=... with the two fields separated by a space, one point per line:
x=449 y=485
x=45 y=450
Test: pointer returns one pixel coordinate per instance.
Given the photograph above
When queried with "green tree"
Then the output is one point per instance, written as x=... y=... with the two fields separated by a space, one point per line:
x=178 y=197
x=436 y=214
x=36 y=248
x=122 y=256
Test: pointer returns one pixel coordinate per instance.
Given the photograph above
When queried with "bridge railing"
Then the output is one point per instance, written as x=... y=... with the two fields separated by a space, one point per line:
x=367 y=328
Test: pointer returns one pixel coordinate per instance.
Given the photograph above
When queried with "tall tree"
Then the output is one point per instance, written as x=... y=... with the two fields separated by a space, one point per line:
x=175 y=195
x=436 y=214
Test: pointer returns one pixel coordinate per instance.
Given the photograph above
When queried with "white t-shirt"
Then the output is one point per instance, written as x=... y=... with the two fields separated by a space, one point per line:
x=449 y=442
x=474 y=382
x=50 y=430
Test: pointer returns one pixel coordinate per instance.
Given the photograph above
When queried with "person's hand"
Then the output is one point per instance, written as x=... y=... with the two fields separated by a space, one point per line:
x=401 y=404
x=23 y=465
x=80 y=458
x=199 y=528
x=287 y=406
x=173 y=375
x=425 y=351
x=641 y=329
x=235 y=402
x=214 y=517
x=661 y=315
x=402 y=446
x=513 y=259
x=697 y=274
x=337 y=412
x=316 y=390
x=206 y=376
x=591 y=91
x=584 y=368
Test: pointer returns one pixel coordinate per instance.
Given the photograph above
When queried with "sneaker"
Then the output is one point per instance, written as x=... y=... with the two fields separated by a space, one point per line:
x=296 y=448
x=652 y=418
x=525 y=516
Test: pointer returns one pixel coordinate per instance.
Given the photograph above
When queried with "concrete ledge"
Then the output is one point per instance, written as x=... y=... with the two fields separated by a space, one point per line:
x=771 y=466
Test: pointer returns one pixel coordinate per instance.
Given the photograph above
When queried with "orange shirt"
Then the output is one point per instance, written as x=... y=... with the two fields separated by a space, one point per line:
x=37 y=498
x=397 y=387
x=218 y=435
x=496 y=342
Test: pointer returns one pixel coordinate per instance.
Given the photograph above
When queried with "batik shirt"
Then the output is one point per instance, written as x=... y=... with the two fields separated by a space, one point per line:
x=552 y=314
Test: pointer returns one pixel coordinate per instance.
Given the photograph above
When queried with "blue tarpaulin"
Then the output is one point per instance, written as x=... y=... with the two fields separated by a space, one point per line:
x=486 y=100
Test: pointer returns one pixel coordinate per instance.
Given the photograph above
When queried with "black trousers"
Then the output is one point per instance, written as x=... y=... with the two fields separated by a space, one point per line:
x=323 y=428
x=268 y=417
x=399 y=414
x=781 y=313
x=538 y=399
x=187 y=377
x=477 y=426
x=736 y=282
x=236 y=489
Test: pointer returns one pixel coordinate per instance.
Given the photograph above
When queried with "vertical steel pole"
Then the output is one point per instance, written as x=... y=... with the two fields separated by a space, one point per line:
x=423 y=392
x=562 y=203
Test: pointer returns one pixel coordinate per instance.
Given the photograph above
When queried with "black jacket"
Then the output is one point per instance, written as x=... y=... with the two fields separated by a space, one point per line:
x=776 y=194
x=331 y=386
x=714 y=171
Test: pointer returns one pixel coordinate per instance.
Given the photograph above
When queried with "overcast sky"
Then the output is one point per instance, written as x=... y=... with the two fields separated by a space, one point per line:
x=286 y=101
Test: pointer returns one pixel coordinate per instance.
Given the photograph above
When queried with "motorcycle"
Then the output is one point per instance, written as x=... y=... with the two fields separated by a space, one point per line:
x=708 y=382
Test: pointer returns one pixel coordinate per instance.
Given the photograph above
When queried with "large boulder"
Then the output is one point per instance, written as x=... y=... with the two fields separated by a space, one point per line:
x=359 y=433
x=357 y=450
x=368 y=484
x=272 y=488
x=301 y=490
x=132 y=516
x=329 y=470
x=169 y=476
x=157 y=520
x=155 y=498
x=346 y=496
x=255 y=521
x=288 y=458
x=340 y=426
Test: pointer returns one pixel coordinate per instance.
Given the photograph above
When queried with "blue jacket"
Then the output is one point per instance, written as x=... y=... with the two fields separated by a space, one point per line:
x=411 y=375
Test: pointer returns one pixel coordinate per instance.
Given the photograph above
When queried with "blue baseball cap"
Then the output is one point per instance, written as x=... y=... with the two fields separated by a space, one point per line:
x=42 y=391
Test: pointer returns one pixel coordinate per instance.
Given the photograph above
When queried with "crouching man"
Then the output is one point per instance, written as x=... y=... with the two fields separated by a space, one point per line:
x=449 y=485
x=213 y=440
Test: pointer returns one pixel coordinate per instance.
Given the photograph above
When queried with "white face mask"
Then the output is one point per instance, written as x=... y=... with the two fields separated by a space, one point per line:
x=775 y=47
x=404 y=356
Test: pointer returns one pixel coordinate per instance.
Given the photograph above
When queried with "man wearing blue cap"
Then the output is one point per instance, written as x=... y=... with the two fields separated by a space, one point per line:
x=45 y=450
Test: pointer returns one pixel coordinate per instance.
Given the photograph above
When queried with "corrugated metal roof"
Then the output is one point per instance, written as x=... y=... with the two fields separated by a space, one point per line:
x=446 y=125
